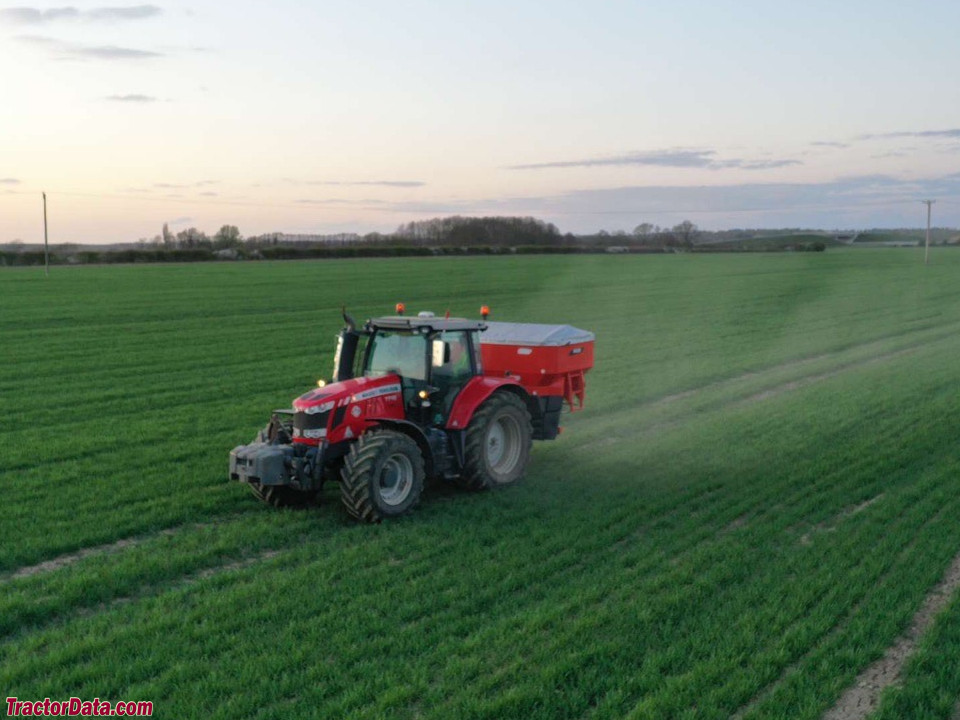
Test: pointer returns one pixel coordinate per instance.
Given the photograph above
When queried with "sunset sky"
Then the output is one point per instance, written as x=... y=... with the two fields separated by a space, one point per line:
x=358 y=116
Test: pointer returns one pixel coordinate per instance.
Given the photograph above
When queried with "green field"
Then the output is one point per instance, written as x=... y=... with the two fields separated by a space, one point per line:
x=757 y=499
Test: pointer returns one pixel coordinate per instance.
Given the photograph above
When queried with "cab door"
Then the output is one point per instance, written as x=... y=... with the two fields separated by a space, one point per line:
x=452 y=365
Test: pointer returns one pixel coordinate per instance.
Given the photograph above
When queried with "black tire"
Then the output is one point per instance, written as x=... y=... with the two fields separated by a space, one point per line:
x=497 y=443
x=382 y=476
x=282 y=496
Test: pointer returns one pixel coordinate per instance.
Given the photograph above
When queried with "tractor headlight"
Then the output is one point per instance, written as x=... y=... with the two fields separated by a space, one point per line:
x=321 y=408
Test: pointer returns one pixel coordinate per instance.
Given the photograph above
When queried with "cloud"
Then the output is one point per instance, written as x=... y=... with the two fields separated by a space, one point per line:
x=35 y=16
x=828 y=144
x=111 y=52
x=67 y=51
x=184 y=186
x=858 y=201
x=951 y=133
x=180 y=221
x=677 y=158
x=9 y=181
x=131 y=98
x=210 y=194
x=663 y=158
x=358 y=183
x=869 y=200
x=40 y=40
x=112 y=14
x=339 y=201
x=753 y=164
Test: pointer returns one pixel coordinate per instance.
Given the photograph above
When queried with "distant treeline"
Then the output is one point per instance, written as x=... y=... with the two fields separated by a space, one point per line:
x=70 y=256
x=438 y=236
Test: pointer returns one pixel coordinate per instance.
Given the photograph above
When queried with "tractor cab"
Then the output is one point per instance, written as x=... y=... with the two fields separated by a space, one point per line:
x=434 y=358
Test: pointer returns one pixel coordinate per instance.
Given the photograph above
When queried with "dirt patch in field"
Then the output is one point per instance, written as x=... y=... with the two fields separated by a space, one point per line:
x=863 y=697
x=70 y=558
x=830 y=526
x=107 y=549
x=736 y=524
x=237 y=565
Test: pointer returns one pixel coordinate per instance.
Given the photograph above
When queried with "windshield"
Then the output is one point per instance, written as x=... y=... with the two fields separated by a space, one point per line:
x=401 y=353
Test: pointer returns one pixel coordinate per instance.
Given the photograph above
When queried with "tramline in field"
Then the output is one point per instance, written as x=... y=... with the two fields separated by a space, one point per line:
x=418 y=397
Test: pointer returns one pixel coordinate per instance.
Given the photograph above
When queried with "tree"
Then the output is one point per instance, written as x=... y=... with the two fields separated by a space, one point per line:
x=643 y=229
x=227 y=237
x=687 y=231
x=168 y=239
x=192 y=238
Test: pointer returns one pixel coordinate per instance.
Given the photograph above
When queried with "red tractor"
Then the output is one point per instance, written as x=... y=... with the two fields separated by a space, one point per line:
x=418 y=397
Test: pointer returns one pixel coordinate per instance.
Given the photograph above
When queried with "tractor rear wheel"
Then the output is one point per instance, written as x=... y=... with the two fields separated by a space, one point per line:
x=382 y=476
x=282 y=496
x=497 y=443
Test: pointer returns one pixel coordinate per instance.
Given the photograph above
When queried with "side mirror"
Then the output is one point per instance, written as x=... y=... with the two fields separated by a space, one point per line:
x=441 y=353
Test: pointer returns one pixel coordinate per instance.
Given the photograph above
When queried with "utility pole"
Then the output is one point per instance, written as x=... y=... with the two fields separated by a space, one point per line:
x=926 y=251
x=46 y=245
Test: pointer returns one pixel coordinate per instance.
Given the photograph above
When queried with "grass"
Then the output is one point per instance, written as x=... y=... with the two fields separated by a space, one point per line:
x=758 y=497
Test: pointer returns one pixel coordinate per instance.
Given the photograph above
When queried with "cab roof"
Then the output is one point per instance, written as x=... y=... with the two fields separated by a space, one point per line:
x=421 y=324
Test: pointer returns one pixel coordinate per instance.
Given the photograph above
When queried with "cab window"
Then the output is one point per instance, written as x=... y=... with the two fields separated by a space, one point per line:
x=456 y=365
x=401 y=353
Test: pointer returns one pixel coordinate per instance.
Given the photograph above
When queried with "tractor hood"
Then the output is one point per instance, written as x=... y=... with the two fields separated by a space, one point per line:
x=340 y=410
x=346 y=391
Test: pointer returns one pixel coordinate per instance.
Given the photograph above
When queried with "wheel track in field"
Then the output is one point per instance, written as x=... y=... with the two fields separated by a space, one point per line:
x=692 y=544
x=832 y=524
x=742 y=401
x=577 y=605
x=936 y=333
x=111 y=548
x=757 y=396
x=761 y=512
x=770 y=688
x=863 y=697
x=146 y=591
x=66 y=559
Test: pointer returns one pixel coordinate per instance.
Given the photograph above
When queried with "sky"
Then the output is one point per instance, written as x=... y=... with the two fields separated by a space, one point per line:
x=328 y=117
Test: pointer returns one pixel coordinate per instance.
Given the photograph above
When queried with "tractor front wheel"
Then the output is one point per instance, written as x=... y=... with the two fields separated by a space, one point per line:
x=497 y=443
x=282 y=496
x=382 y=476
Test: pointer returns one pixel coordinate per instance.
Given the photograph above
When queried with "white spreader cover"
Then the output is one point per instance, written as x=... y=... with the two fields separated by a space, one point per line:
x=533 y=334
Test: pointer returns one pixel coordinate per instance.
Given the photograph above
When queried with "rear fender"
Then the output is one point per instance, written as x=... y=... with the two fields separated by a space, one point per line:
x=474 y=394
